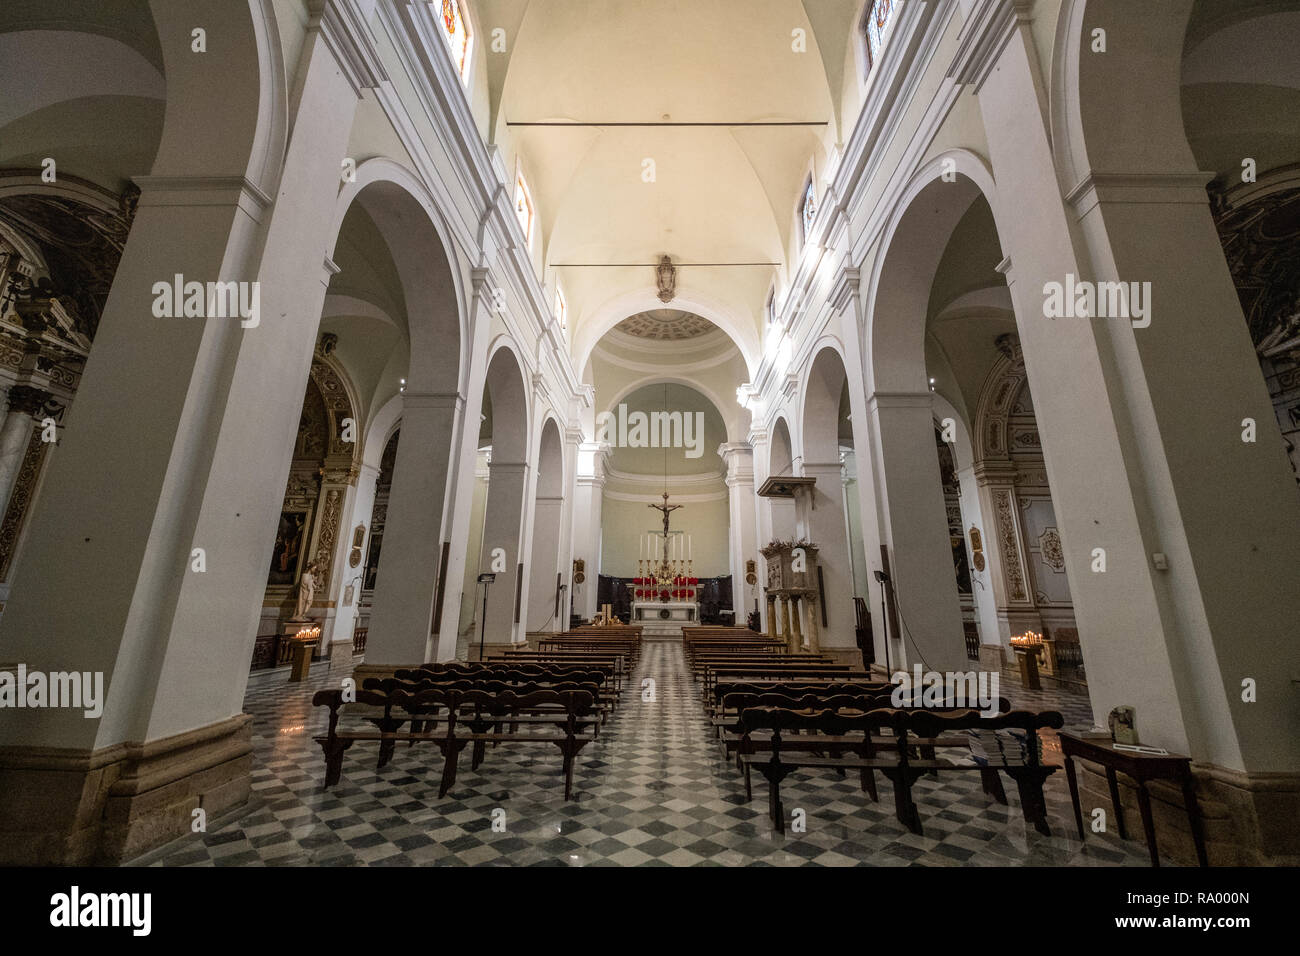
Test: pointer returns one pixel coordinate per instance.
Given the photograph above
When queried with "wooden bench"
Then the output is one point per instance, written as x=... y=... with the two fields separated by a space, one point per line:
x=472 y=715
x=601 y=671
x=734 y=737
x=1019 y=756
x=784 y=670
x=600 y=681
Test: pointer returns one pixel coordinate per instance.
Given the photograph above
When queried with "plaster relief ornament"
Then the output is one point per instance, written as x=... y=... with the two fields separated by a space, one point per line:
x=666 y=276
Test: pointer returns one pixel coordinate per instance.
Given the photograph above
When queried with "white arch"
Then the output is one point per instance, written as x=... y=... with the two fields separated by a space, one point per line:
x=503 y=342
x=543 y=419
x=740 y=328
x=826 y=341
x=379 y=170
x=963 y=163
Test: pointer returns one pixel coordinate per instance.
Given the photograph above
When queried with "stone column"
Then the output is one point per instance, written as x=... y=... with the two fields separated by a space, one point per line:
x=144 y=503
x=787 y=630
x=462 y=562
x=541 y=617
x=348 y=577
x=402 y=619
x=470 y=597
x=916 y=526
x=588 y=505
x=568 y=523
x=502 y=530
x=1199 y=531
x=24 y=402
x=762 y=517
x=846 y=299
x=814 y=641
x=794 y=611
x=824 y=525
x=739 y=460
x=770 y=604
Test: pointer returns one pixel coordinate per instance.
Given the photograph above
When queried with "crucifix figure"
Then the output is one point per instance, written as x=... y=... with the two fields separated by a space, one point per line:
x=667 y=509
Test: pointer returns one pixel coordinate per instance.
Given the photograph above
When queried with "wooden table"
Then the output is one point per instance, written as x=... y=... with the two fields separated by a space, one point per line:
x=1141 y=767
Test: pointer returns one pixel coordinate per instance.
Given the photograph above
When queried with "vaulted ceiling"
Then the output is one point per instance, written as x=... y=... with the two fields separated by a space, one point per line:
x=758 y=85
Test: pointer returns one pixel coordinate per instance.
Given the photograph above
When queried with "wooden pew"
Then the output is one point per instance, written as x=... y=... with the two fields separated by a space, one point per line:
x=471 y=716
x=784 y=670
x=1019 y=757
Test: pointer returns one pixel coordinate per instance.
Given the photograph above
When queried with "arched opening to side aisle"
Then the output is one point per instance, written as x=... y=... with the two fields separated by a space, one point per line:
x=926 y=624
x=504 y=442
x=397 y=289
x=822 y=513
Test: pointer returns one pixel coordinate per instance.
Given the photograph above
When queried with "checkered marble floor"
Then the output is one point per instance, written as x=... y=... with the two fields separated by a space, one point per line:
x=653 y=791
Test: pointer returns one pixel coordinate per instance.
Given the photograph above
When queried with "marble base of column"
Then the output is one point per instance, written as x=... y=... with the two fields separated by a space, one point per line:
x=65 y=806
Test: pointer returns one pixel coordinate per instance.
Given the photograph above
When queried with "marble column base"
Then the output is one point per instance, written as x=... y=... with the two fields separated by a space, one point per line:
x=1248 y=818
x=103 y=807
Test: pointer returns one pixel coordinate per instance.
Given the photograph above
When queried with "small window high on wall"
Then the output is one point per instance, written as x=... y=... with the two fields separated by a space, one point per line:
x=874 y=21
x=455 y=25
x=524 y=205
x=561 y=308
x=808 y=207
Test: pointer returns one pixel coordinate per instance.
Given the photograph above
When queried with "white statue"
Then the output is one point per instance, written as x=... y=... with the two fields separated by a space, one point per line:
x=306 y=592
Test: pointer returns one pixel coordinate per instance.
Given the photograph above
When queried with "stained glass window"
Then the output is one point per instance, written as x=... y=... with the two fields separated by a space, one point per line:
x=524 y=206
x=809 y=208
x=456 y=26
x=874 y=23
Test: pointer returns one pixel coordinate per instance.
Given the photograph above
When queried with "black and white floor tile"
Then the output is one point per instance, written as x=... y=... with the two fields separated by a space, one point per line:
x=653 y=791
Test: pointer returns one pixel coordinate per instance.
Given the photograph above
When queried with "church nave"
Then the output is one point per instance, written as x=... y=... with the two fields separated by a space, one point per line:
x=653 y=790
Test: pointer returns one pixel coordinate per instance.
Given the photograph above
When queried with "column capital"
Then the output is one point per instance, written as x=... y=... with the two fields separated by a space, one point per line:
x=347 y=36
x=846 y=287
x=738 y=456
x=1146 y=187
x=27 y=400
x=989 y=25
x=203 y=191
x=444 y=400
x=880 y=400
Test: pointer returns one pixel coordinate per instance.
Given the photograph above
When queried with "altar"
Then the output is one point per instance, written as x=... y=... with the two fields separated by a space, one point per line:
x=660 y=619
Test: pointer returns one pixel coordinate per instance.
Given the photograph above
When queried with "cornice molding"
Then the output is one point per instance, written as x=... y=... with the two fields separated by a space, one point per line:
x=651 y=498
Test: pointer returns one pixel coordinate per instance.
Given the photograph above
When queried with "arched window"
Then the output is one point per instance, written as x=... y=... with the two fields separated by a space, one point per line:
x=524 y=205
x=874 y=21
x=455 y=25
x=808 y=207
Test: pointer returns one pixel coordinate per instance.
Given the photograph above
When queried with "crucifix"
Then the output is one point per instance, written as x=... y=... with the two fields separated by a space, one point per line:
x=667 y=509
